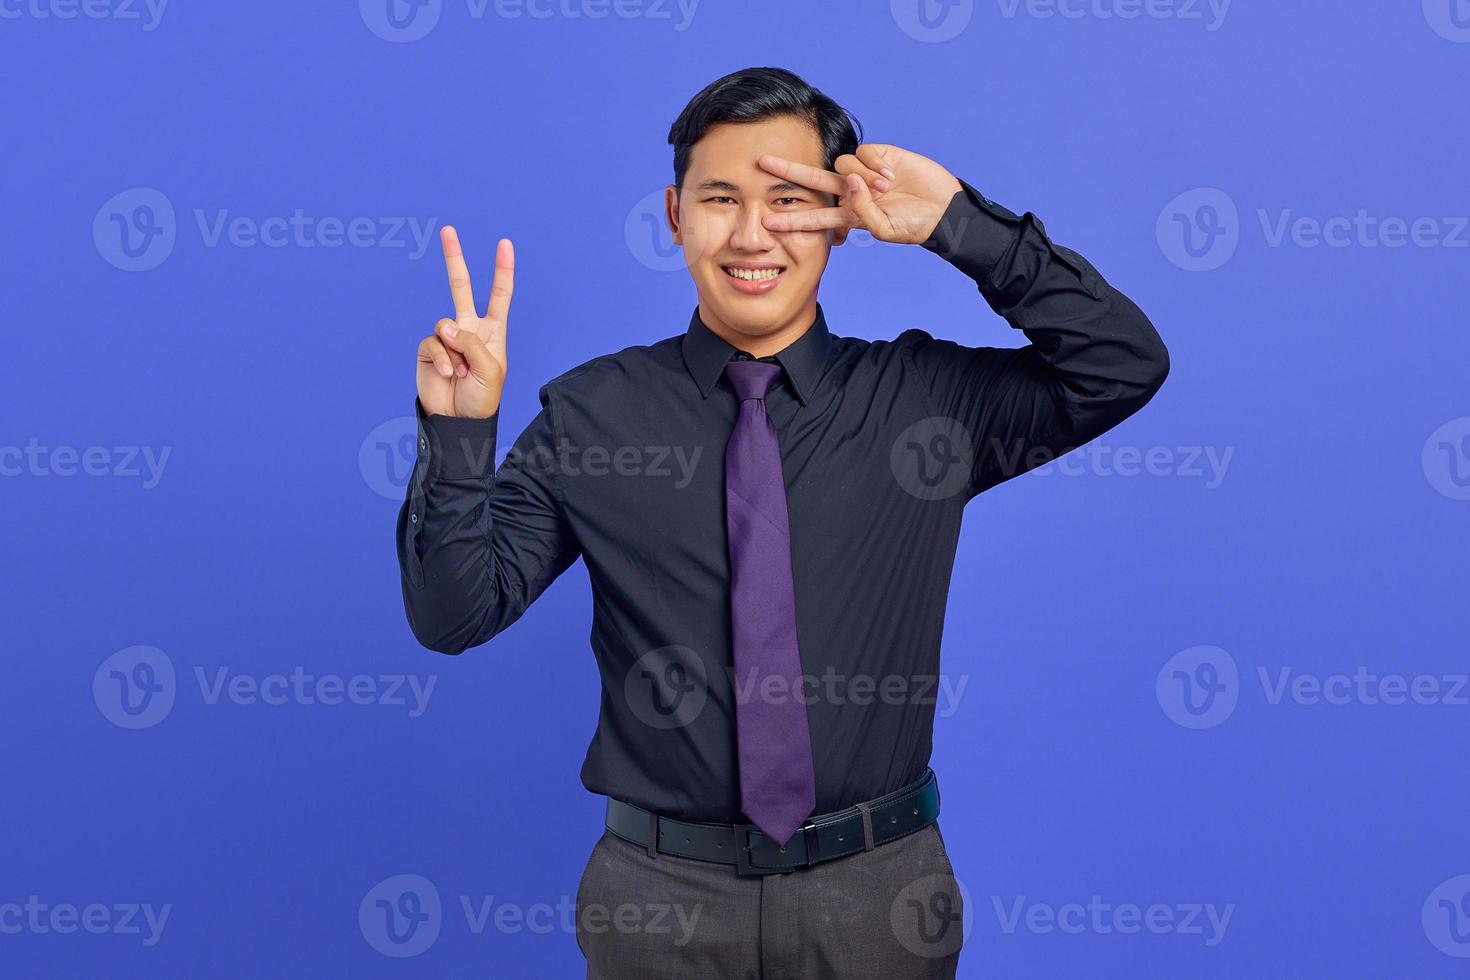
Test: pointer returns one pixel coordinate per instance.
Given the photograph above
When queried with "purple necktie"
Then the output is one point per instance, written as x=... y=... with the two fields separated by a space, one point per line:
x=777 y=783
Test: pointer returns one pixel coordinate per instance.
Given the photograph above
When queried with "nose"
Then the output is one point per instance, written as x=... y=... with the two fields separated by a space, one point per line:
x=750 y=235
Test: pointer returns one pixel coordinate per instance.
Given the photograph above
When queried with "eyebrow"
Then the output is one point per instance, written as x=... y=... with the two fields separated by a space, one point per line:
x=716 y=184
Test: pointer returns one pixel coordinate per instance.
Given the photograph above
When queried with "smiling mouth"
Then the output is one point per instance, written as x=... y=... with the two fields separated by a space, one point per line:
x=753 y=275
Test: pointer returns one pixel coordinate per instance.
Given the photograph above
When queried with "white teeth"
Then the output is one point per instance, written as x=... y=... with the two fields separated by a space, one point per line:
x=759 y=275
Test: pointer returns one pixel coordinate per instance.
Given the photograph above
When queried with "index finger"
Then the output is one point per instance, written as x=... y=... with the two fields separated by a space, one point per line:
x=804 y=174
x=459 y=276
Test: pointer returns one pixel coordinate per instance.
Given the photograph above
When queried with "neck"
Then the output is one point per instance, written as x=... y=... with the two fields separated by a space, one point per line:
x=763 y=344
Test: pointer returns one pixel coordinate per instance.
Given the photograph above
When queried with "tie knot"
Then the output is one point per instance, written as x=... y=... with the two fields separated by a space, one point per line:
x=752 y=379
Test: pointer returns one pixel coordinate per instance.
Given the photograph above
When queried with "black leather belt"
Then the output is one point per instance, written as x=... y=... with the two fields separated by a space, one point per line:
x=745 y=847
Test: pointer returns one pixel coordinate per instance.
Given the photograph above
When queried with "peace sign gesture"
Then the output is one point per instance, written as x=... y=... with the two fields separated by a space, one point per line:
x=897 y=195
x=461 y=365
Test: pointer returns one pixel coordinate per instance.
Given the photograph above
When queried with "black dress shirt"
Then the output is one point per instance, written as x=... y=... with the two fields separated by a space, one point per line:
x=883 y=442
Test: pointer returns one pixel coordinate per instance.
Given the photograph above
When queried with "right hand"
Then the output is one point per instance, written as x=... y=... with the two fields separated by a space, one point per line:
x=461 y=366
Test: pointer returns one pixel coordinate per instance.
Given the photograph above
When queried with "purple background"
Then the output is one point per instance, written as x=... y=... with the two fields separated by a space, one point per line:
x=1330 y=378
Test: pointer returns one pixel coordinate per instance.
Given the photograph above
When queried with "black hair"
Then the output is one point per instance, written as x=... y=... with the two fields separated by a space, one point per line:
x=762 y=93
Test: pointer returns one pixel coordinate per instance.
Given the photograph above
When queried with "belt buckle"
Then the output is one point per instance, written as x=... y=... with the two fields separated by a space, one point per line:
x=743 y=866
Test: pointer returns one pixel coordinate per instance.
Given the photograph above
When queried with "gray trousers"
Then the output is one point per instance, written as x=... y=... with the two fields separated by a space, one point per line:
x=894 y=912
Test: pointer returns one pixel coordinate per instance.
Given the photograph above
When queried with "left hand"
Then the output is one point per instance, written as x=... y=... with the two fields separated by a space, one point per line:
x=896 y=195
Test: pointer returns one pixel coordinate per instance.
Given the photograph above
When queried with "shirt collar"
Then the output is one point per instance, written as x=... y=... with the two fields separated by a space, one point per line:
x=705 y=354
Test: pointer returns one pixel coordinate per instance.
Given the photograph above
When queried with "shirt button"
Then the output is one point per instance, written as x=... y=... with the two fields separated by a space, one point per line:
x=413 y=518
x=423 y=444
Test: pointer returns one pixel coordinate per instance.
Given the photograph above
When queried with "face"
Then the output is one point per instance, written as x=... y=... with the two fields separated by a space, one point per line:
x=717 y=220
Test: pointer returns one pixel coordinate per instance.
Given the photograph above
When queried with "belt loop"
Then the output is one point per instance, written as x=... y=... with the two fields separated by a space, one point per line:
x=653 y=833
x=867 y=826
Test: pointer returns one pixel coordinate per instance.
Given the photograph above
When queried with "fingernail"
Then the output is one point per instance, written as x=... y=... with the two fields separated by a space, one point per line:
x=461 y=370
x=451 y=331
x=445 y=370
x=882 y=184
x=886 y=172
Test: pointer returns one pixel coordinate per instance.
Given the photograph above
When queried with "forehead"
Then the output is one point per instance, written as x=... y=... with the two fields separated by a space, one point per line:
x=729 y=150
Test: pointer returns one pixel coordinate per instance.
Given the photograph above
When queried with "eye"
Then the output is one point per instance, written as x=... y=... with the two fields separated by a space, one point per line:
x=721 y=197
x=791 y=199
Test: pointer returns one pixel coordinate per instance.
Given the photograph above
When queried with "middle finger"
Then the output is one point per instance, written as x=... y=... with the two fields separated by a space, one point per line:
x=459 y=276
x=849 y=163
x=801 y=173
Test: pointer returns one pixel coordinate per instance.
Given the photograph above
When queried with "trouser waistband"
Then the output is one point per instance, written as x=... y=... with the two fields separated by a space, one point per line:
x=747 y=848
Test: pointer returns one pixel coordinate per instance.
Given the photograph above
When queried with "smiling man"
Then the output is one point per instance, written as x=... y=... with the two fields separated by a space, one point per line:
x=766 y=621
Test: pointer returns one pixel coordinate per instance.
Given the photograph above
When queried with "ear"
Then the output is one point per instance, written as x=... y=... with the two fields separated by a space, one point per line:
x=671 y=212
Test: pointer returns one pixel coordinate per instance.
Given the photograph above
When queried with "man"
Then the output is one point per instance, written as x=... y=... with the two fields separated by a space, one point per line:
x=769 y=590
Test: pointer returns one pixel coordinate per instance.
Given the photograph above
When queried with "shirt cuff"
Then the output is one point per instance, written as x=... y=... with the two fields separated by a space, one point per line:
x=454 y=448
x=973 y=233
